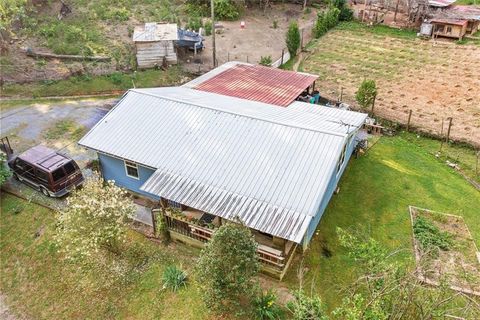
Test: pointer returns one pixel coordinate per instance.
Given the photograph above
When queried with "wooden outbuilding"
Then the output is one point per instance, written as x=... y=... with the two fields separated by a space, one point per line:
x=451 y=28
x=155 y=42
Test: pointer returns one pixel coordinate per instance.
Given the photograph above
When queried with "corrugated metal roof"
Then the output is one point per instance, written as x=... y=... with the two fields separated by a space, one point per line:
x=153 y=31
x=257 y=83
x=440 y=3
x=226 y=156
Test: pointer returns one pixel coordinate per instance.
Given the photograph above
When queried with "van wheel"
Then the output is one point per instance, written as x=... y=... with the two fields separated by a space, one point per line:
x=45 y=192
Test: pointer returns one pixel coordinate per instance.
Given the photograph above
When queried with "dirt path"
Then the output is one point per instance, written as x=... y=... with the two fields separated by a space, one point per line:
x=5 y=313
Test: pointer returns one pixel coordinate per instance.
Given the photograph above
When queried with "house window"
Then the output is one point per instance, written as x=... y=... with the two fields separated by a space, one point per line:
x=131 y=169
x=449 y=29
x=342 y=158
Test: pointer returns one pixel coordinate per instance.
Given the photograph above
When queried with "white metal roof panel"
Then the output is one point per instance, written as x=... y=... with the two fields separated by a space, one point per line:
x=230 y=157
x=153 y=31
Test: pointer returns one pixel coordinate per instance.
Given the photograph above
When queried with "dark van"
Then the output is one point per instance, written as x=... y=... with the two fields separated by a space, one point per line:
x=47 y=171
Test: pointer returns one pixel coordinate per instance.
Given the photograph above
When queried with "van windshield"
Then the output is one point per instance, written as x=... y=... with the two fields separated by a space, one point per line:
x=58 y=174
x=69 y=168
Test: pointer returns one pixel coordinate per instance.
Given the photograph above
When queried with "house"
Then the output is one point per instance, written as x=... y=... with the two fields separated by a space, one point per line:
x=155 y=42
x=207 y=158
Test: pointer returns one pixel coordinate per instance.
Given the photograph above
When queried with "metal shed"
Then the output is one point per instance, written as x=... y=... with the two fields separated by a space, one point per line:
x=154 y=42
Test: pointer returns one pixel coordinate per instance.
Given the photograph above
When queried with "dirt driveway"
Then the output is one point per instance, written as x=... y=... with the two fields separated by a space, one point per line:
x=58 y=125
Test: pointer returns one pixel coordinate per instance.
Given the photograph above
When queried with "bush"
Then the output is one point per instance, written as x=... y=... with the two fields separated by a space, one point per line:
x=266 y=307
x=366 y=93
x=4 y=169
x=194 y=23
x=275 y=24
x=346 y=14
x=226 y=268
x=325 y=21
x=226 y=10
x=208 y=28
x=116 y=78
x=429 y=236
x=266 y=61
x=304 y=307
x=174 y=278
x=293 y=38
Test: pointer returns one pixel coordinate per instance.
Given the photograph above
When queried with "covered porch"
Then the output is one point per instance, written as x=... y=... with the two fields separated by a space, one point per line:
x=194 y=227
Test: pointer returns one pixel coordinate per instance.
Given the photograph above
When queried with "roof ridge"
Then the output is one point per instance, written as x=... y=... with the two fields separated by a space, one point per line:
x=282 y=123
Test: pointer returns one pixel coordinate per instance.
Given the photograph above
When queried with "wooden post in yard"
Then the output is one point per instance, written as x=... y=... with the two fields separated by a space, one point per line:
x=301 y=40
x=409 y=117
x=476 y=163
x=441 y=138
x=281 y=59
x=396 y=10
x=341 y=94
x=449 y=127
x=154 y=223
x=373 y=104
x=213 y=35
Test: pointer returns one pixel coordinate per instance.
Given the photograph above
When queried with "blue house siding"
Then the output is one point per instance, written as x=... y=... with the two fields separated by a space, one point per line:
x=114 y=169
x=332 y=185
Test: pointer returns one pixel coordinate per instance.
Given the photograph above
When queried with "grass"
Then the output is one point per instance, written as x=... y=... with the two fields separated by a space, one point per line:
x=38 y=284
x=375 y=193
x=65 y=129
x=8 y=104
x=464 y=155
x=86 y=85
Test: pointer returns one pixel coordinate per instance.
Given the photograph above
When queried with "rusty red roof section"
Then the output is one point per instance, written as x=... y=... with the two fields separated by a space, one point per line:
x=259 y=83
x=450 y=21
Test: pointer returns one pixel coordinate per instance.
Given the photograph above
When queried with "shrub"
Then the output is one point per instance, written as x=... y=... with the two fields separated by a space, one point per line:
x=266 y=61
x=304 y=307
x=366 y=93
x=293 y=38
x=174 y=278
x=275 y=24
x=429 y=236
x=4 y=170
x=345 y=14
x=116 y=78
x=226 y=268
x=226 y=10
x=94 y=219
x=208 y=27
x=194 y=23
x=325 y=21
x=266 y=307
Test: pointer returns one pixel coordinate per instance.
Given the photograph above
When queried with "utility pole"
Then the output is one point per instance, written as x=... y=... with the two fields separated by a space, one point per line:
x=213 y=35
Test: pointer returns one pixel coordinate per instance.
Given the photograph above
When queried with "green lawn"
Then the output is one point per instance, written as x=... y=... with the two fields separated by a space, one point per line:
x=84 y=85
x=375 y=193
x=40 y=286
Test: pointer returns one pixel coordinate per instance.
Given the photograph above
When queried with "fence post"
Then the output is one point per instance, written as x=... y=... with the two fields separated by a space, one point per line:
x=228 y=56
x=341 y=94
x=449 y=127
x=301 y=40
x=154 y=223
x=281 y=60
x=409 y=117
x=373 y=104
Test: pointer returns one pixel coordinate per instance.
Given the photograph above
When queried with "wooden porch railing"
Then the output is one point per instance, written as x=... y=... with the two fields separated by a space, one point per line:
x=269 y=256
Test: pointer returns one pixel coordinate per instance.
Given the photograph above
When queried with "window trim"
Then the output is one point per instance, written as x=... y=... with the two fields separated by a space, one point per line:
x=131 y=164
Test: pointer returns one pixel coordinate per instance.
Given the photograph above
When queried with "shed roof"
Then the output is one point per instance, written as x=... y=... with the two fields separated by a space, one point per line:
x=230 y=157
x=255 y=82
x=440 y=3
x=455 y=22
x=153 y=31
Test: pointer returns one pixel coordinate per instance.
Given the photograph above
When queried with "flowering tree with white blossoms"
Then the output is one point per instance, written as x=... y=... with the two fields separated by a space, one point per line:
x=95 y=218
